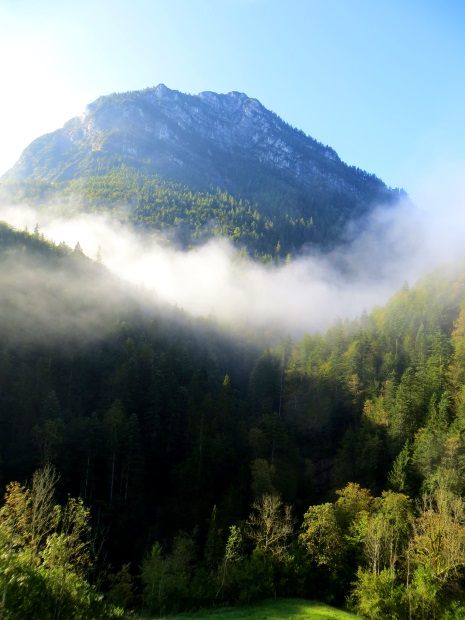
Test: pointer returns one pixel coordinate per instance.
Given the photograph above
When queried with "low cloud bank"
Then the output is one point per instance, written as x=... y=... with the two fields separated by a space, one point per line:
x=397 y=245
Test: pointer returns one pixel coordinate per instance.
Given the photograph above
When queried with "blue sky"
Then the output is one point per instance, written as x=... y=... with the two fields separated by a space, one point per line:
x=382 y=82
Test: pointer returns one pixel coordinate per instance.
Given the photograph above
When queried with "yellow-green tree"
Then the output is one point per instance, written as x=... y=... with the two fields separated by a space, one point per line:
x=45 y=554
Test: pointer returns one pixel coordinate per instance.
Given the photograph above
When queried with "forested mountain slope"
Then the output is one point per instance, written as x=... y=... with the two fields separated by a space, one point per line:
x=181 y=439
x=196 y=166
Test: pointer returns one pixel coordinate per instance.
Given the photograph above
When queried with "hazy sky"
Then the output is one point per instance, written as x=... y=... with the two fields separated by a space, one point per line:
x=382 y=82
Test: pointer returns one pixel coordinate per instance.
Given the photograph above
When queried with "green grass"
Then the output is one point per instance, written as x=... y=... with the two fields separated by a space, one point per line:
x=273 y=609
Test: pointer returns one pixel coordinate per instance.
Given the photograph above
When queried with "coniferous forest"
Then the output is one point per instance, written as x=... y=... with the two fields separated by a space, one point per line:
x=151 y=462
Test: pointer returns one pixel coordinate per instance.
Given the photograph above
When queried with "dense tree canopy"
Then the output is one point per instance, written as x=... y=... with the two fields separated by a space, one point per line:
x=206 y=467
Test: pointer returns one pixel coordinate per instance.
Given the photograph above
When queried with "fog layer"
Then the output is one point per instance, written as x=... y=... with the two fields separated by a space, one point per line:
x=396 y=245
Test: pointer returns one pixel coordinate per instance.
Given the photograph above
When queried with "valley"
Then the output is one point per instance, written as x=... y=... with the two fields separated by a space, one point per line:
x=182 y=460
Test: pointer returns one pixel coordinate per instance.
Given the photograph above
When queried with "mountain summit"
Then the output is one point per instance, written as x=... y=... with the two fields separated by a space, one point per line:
x=209 y=143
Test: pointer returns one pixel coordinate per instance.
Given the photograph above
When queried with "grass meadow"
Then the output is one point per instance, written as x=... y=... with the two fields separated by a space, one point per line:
x=273 y=609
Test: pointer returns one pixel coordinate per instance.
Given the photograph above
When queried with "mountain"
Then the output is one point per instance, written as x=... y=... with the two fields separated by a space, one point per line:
x=182 y=440
x=203 y=165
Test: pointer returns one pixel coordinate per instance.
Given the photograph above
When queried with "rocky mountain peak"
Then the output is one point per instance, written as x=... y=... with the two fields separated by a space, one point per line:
x=206 y=141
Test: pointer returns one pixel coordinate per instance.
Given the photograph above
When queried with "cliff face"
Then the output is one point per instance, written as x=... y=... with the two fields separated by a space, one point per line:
x=208 y=136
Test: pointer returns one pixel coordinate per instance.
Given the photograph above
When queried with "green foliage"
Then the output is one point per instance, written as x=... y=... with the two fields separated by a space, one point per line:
x=152 y=573
x=439 y=536
x=168 y=581
x=376 y=596
x=121 y=592
x=227 y=568
x=322 y=536
x=256 y=578
x=161 y=418
x=397 y=477
x=179 y=214
x=423 y=594
x=44 y=555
